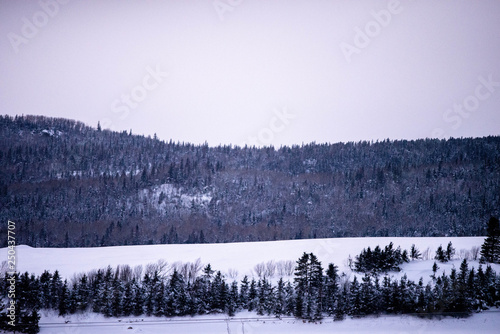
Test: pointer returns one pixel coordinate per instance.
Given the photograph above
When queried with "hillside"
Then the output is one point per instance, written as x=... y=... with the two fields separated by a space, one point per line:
x=69 y=185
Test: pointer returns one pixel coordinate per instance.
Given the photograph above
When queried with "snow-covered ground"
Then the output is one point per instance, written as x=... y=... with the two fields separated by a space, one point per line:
x=249 y=323
x=239 y=259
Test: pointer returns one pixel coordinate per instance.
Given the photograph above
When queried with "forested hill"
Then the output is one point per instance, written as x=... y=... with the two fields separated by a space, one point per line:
x=67 y=184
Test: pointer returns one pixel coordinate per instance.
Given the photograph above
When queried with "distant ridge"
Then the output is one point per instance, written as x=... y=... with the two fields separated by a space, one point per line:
x=71 y=185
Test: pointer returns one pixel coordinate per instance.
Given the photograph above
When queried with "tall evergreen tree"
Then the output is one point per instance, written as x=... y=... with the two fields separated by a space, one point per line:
x=233 y=299
x=252 y=296
x=331 y=287
x=279 y=307
x=245 y=286
x=64 y=300
x=490 y=250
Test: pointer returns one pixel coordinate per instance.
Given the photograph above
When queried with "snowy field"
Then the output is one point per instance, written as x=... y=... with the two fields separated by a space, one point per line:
x=238 y=259
x=249 y=323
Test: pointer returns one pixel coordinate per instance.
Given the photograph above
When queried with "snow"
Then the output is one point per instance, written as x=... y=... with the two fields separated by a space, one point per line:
x=249 y=323
x=241 y=258
x=173 y=195
x=235 y=257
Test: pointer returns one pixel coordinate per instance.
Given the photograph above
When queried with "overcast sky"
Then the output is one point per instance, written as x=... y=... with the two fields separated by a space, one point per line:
x=254 y=71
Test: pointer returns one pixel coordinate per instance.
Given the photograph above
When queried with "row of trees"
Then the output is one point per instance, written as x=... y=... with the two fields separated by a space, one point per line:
x=382 y=260
x=313 y=294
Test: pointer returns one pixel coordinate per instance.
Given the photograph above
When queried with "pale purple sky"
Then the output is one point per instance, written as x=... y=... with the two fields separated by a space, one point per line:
x=254 y=71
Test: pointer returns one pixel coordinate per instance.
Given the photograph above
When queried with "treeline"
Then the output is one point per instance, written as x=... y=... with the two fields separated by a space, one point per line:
x=315 y=293
x=69 y=185
x=382 y=260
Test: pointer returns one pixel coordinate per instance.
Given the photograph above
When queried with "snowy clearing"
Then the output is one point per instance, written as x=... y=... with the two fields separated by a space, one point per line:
x=239 y=259
x=249 y=323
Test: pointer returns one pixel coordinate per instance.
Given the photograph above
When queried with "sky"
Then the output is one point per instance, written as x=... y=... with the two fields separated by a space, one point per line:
x=255 y=72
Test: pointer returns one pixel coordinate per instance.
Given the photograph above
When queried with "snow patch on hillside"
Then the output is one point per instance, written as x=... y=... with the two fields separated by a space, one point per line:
x=165 y=195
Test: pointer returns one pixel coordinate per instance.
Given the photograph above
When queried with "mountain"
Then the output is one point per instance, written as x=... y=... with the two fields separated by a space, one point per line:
x=66 y=184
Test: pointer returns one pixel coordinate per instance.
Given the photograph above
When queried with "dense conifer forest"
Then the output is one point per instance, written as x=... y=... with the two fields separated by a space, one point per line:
x=67 y=184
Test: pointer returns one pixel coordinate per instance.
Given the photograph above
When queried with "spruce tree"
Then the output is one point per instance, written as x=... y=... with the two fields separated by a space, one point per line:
x=354 y=298
x=233 y=300
x=441 y=255
x=64 y=300
x=450 y=251
x=245 y=286
x=367 y=296
x=128 y=301
x=309 y=287
x=490 y=250
x=55 y=289
x=138 y=301
x=252 y=296
x=279 y=307
x=289 y=306
x=343 y=305
x=331 y=287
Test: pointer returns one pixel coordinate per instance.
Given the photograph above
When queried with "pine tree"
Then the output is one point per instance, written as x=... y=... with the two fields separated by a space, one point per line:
x=367 y=296
x=490 y=287
x=395 y=302
x=55 y=290
x=244 y=292
x=159 y=300
x=128 y=301
x=268 y=297
x=289 y=305
x=315 y=302
x=252 y=296
x=450 y=251
x=219 y=292
x=279 y=307
x=435 y=268
x=138 y=301
x=354 y=298
x=233 y=299
x=343 y=305
x=117 y=299
x=441 y=255
x=301 y=286
x=64 y=300
x=331 y=287
x=83 y=294
x=178 y=294
x=415 y=253
x=490 y=250
x=45 y=296
x=309 y=287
